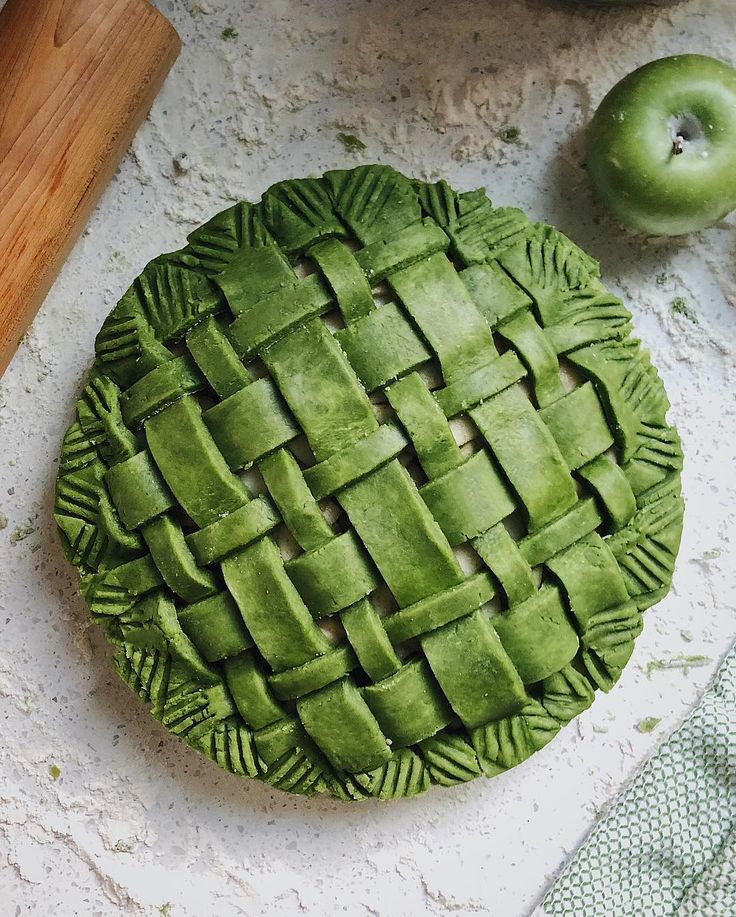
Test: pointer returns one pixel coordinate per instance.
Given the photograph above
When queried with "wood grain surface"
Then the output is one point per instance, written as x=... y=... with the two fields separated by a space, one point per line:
x=77 y=77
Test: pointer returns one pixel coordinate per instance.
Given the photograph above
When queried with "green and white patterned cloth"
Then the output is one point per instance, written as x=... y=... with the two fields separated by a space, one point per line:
x=668 y=846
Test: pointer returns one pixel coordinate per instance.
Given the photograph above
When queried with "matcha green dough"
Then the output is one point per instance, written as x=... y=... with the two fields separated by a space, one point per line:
x=369 y=486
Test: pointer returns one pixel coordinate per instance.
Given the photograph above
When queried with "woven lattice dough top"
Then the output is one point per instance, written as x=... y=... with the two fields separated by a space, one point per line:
x=369 y=486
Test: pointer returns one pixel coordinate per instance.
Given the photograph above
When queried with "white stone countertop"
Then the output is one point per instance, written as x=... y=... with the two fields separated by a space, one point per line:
x=135 y=823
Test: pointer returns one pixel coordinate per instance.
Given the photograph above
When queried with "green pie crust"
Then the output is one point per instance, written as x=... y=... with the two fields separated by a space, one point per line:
x=369 y=486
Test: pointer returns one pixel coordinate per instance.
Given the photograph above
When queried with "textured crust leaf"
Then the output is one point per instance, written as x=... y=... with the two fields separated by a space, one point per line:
x=508 y=742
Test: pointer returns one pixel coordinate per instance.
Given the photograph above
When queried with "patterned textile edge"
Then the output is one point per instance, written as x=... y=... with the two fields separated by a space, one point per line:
x=668 y=844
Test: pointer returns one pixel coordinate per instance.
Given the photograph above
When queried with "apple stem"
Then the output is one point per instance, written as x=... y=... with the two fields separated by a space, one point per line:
x=678 y=145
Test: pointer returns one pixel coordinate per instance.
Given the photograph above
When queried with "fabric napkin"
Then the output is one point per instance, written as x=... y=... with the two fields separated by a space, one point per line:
x=668 y=846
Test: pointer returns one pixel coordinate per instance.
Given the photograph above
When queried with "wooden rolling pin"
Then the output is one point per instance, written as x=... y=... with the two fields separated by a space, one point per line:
x=77 y=77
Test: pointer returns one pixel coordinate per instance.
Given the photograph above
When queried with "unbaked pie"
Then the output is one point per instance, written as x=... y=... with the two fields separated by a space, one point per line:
x=369 y=486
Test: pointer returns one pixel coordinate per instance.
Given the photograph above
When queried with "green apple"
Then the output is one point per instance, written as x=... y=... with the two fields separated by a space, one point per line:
x=662 y=145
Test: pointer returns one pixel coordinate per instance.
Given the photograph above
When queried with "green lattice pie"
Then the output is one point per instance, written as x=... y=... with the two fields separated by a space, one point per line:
x=369 y=486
